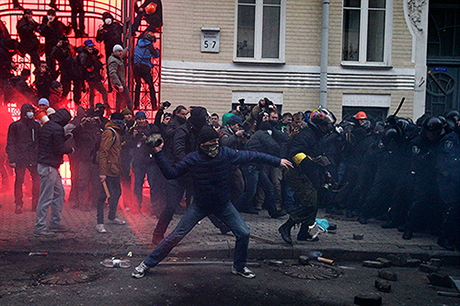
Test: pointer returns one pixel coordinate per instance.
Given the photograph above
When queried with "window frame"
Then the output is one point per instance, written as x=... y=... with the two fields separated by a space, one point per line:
x=363 y=31
x=259 y=6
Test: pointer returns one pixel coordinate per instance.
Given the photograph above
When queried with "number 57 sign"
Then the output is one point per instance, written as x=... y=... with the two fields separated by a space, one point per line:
x=210 y=38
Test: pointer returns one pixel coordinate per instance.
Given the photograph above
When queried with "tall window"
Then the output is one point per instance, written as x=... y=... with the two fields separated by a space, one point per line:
x=367 y=27
x=260 y=30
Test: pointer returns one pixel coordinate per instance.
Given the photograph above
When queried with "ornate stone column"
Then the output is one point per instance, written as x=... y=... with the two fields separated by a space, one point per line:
x=416 y=14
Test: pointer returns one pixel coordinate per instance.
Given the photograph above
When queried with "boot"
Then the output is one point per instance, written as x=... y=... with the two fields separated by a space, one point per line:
x=407 y=234
x=303 y=234
x=285 y=230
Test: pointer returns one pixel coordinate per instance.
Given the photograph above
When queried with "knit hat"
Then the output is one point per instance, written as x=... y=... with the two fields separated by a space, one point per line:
x=235 y=119
x=140 y=114
x=207 y=133
x=44 y=101
x=50 y=111
x=117 y=48
x=126 y=111
x=117 y=116
x=55 y=84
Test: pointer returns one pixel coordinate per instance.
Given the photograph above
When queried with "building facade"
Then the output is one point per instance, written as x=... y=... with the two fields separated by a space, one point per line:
x=217 y=52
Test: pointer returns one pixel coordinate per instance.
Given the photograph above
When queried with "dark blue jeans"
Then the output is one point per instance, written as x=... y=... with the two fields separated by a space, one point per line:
x=253 y=176
x=113 y=184
x=226 y=213
x=156 y=182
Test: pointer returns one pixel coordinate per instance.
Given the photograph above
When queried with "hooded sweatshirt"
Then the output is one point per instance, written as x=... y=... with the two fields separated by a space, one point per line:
x=144 y=51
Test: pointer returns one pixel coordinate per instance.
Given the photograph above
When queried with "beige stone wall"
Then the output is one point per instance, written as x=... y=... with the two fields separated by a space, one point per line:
x=183 y=20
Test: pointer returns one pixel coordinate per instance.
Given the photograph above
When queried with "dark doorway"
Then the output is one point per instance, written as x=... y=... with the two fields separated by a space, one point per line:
x=443 y=57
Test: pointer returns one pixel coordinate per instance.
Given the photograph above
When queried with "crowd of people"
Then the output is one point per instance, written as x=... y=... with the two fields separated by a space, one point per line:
x=78 y=69
x=250 y=159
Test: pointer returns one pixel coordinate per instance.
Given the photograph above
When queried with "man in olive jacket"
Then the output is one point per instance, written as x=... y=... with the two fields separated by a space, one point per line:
x=110 y=169
x=116 y=69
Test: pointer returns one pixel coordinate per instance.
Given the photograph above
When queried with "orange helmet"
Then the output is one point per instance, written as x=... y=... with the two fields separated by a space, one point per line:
x=361 y=115
x=151 y=8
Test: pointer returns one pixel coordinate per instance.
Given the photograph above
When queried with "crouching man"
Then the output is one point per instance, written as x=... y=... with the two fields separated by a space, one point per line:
x=210 y=168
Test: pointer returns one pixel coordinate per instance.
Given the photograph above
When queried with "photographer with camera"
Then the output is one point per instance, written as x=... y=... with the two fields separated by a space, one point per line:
x=161 y=118
x=144 y=164
x=264 y=105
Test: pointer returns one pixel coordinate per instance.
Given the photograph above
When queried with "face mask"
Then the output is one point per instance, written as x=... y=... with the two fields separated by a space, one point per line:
x=51 y=18
x=99 y=113
x=30 y=115
x=120 y=123
x=108 y=21
x=211 y=150
x=270 y=132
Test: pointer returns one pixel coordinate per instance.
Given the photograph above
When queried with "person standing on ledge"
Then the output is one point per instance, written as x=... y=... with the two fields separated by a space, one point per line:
x=210 y=168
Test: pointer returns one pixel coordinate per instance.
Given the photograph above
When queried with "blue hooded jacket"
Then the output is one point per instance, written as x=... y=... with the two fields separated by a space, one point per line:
x=143 y=54
x=212 y=176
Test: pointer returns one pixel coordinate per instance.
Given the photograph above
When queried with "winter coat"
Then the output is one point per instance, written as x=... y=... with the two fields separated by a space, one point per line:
x=140 y=150
x=211 y=176
x=116 y=69
x=155 y=20
x=185 y=141
x=263 y=142
x=91 y=65
x=110 y=35
x=54 y=98
x=308 y=141
x=51 y=140
x=168 y=135
x=22 y=140
x=110 y=151
x=229 y=139
x=144 y=52
x=52 y=33
x=26 y=31
x=64 y=57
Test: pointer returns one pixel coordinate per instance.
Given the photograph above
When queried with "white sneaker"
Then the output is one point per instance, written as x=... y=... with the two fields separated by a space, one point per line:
x=246 y=273
x=140 y=270
x=117 y=221
x=100 y=228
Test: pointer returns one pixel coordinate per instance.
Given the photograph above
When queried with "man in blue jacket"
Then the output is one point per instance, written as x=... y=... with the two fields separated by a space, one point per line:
x=143 y=55
x=210 y=168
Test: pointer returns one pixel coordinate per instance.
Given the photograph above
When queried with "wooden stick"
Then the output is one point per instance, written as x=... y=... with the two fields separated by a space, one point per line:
x=106 y=189
x=325 y=260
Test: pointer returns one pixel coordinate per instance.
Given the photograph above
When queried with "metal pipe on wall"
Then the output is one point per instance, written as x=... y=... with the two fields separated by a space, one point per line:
x=324 y=55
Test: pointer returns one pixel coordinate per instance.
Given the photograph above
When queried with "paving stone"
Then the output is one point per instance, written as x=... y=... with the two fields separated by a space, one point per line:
x=368 y=300
x=436 y=262
x=397 y=260
x=428 y=268
x=382 y=285
x=388 y=275
x=372 y=264
x=386 y=263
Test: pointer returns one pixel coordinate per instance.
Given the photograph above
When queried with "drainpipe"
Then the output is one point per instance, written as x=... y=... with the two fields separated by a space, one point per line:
x=324 y=55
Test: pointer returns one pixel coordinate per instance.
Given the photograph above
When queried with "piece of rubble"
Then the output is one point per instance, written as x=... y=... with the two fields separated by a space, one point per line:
x=440 y=280
x=304 y=260
x=372 y=264
x=385 y=274
x=275 y=263
x=428 y=268
x=368 y=300
x=386 y=262
x=398 y=260
x=358 y=236
x=436 y=262
x=382 y=285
